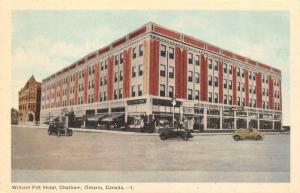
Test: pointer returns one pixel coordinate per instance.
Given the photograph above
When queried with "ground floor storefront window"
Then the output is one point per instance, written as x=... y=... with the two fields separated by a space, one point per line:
x=199 y=123
x=265 y=124
x=241 y=123
x=228 y=123
x=213 y=122
x=253 y=123
x=277 y=125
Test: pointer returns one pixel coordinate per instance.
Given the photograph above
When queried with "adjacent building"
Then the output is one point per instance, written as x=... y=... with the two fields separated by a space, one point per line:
x=138 y=76
x=30 y=101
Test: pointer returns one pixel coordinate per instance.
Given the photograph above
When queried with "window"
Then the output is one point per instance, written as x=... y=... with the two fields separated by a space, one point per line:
x=250 y=103
x=250 y=89
x=250 y=75
x=254 y=89
x=162 y=90
x=133 y=91
x=121 y=75
x=230 y=84
x=162 y=70
x=105 y=80
x=230 y=100
x=264 y=92
x=263 y=78
x=243 y=73
x=210 y=63
x=140 y=90
x=254 y=74
x=190 y=94
x=171 y=91
x=141 y=50
x=225 y=99
x=210 y=97
x=238 y=71
x=116 y=59
x=133 y=71
x=134 y=53
x=196 y=77
x=216 y=82
x=116 y=76
x=121 y=58
x=216 y=98
x=190 y=58
x=163 y=50
x=243 y=87
x=105 y=96
x=225 y=83
x=254 y=103
x=210 y=80
x=120 y=93
x=216 y=66
x=171 y=72
x=171 y=53
x=140 y=69
x=225 y=68
x=101 y=65
x=230 y=69
x=267 y=80
x=105 y=66
x=115 y=94
x=197 y=94
x=190 y=76
x=243 y=101
x=197 y=59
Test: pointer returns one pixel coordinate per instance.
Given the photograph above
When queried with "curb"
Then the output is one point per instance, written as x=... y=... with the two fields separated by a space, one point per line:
x=138 y=134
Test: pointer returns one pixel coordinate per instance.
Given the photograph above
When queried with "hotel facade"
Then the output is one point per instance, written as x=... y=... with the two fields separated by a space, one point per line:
x=140 y=74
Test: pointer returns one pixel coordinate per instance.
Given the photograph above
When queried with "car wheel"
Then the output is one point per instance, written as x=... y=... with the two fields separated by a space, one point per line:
x=236 y=138
x=185 y=137
x=49 y=132
x=258 y=137
x=163 y=137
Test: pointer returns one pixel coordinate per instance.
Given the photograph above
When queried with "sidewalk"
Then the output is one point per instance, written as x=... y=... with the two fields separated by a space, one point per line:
x=135 y=133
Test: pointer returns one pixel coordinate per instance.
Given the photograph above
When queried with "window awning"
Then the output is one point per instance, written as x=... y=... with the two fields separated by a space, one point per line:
x=112 y=117
x=96 y=117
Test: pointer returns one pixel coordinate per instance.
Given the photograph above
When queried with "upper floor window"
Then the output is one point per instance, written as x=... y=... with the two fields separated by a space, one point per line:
x=116 y=76
x=190 y=94
x=225 y=99
x=209 y=97
x=225 y=83
x=230 y=84
x=121 y=75
x=216 y=66
x=197 y=94
x=225 y=68
x=196 y=77
x=163 y=50
x=210 y=80
x=216 y=98
x=140 y=69
x=116 y=59
x=121 y=58
x=171 y=53
x=133 y=91
x=120 y=93
x=190 y=76
x=230 y=100
x=190 y=58
x=197 y=59
x=133 y=52
x=162 y=70
x=230 y=69
x=171 y=91
x=210 y=63
x=238 y=71
x=216 y=82
x=162 y=90
x=141 y=50
x=171 y=72
x=243 y=73
x=133 y=73
x=140 y=90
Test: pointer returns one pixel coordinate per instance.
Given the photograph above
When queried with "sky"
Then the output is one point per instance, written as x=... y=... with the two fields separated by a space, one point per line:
x=44 y=42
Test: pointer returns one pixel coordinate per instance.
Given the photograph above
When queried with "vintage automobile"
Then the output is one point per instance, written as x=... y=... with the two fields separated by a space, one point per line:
x=248 y=133
x=58 y=129
x=175 y=132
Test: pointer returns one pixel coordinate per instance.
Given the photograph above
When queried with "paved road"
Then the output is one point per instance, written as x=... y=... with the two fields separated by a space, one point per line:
x=109 y=157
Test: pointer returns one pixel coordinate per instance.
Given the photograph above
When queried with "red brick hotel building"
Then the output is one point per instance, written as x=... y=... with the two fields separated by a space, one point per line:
x=138 y=75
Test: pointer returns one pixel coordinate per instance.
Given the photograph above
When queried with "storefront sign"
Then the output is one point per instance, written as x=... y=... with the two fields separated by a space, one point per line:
x=136 y=101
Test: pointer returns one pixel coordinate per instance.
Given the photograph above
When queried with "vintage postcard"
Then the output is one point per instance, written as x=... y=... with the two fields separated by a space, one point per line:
x=115 y=98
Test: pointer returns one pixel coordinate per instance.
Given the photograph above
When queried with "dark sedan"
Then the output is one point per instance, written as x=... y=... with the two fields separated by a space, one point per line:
x=174 y=133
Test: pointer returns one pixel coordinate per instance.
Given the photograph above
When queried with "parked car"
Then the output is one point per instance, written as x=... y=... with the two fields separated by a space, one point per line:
x=248 y=133
x=58 y=129
x=173 y=132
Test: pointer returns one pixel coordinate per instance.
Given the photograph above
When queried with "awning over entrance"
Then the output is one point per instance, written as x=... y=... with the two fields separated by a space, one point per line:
x=112 y=117
x=96 y=117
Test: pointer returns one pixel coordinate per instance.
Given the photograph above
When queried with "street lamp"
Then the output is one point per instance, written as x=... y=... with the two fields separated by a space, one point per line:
x=173 y=103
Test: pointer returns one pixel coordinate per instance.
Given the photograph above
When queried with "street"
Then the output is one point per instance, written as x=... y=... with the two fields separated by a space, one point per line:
x=142 y=158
